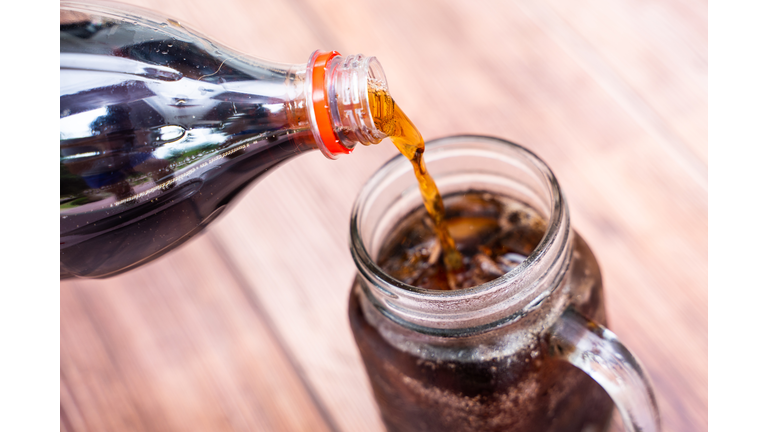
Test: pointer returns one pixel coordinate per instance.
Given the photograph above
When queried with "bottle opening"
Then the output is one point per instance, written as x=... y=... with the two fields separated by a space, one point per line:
x=338 y=89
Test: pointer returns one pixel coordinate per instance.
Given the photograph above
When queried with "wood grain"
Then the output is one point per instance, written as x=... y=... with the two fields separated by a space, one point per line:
x=179 y=345
x=245 y=327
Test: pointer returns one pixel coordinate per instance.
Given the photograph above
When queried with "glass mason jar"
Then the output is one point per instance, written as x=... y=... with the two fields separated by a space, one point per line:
x=499 y=356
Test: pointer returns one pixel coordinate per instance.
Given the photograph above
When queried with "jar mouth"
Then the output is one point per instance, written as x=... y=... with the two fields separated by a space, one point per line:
x=465 y=162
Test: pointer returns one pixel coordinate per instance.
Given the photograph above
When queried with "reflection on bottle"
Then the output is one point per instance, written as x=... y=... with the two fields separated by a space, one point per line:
x=149 y=115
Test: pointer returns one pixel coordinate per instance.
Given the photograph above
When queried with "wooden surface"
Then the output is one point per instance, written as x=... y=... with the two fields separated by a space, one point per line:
x=245 y=328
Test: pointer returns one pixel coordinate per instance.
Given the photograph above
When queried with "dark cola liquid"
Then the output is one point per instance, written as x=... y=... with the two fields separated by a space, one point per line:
x=452 y=386
x=493 y=235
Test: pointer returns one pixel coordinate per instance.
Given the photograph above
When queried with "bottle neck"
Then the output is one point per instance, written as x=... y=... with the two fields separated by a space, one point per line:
x=336 y=92
x=461 y=164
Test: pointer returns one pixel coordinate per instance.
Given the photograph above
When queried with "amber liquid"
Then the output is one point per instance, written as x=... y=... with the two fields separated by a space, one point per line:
x=390 y=119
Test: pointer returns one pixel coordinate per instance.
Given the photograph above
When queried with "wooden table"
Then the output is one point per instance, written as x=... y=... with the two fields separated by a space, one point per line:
x=245 y=327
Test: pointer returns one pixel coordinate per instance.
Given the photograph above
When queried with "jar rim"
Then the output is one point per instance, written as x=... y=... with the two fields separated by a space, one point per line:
x=392 y=291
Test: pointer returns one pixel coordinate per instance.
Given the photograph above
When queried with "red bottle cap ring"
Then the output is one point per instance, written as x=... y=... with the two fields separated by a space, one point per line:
x=320 y=105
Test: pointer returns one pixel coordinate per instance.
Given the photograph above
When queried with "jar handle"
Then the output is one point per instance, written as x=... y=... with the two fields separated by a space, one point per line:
x=597 y=351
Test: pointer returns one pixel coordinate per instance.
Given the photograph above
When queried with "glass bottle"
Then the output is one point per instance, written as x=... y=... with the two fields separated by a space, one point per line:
x=160 y=129
x=499 y=356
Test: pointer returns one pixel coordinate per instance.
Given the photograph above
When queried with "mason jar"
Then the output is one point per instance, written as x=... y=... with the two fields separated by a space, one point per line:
x=527 y=351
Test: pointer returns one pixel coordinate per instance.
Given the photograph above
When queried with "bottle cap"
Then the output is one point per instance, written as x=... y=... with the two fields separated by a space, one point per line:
x=321 y=117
